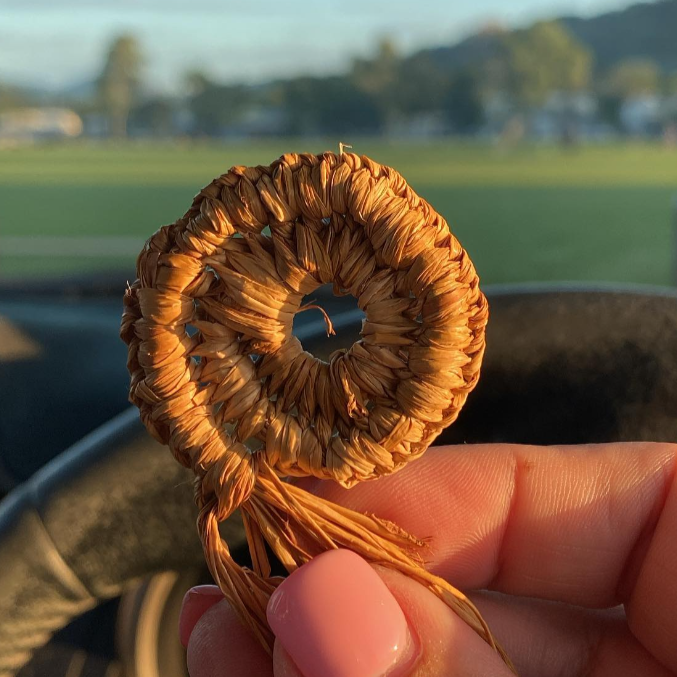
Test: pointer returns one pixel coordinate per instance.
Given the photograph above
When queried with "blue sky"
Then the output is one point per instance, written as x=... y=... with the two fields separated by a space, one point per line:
x=56 y=43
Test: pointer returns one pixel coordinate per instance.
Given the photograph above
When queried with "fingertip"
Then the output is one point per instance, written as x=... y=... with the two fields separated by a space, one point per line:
x=195 y=602
x=446 y=644
x=221 y=646
x=334 y=616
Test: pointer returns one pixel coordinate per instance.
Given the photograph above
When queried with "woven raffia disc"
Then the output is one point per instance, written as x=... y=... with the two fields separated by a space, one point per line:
x=219 y=376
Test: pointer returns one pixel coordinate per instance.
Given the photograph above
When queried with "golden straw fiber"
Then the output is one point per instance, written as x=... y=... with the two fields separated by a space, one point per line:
x=218 y=375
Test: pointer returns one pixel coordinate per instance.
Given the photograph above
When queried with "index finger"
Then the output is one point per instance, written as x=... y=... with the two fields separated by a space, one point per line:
x=587 y=525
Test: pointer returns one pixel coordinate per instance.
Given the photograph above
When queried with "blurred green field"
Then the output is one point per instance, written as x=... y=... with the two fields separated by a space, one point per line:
x=595 y=214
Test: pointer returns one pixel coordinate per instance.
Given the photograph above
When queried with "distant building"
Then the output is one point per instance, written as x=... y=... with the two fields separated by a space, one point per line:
x=567 y=116
x=424 y=125
x=499 y=112
x=259 y=120
x=32 y=124
x=641 y=115
x=95 y=124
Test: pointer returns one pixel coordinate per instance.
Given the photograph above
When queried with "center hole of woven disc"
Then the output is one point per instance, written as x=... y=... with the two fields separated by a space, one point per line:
x=321 y=313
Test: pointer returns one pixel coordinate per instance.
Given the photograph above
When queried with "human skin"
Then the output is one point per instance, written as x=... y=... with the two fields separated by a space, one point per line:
x=573 y=552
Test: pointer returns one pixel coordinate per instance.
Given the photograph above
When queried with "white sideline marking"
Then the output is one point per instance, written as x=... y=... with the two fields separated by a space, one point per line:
x=89 y=246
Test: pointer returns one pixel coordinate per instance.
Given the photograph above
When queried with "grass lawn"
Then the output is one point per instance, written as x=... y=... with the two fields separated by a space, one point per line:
x=600 y=214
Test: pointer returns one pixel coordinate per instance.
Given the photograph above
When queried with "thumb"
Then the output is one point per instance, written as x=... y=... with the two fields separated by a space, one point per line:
x=337 y=616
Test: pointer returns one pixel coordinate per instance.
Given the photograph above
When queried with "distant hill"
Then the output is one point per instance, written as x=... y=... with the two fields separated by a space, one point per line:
x=646 y=30
x=468 y=52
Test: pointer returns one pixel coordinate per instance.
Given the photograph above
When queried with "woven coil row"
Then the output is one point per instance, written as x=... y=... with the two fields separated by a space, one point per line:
x=236 y=267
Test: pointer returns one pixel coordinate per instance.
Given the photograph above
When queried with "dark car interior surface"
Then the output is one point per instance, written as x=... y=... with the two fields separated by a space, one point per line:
x=96 y=589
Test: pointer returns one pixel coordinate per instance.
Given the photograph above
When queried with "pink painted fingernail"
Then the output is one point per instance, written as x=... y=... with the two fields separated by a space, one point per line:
x=195 y=602
x=336 y=618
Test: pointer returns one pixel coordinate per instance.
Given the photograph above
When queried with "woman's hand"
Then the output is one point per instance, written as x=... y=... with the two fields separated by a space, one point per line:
x=577 y=547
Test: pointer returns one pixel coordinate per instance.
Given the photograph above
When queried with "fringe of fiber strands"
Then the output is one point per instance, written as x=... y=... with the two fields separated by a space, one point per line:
x=219 y=376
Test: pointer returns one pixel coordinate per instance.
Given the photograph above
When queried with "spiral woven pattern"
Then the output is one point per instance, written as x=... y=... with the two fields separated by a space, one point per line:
x=219 y=376
x=235 y=269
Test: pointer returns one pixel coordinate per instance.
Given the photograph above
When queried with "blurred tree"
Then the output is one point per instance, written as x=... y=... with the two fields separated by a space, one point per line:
x=379 y=78
x=195 y=82
x=333 y=105
x=420 y=86
x=545 y=58
x=463 y=103
x=119 y=82
x=609 y=107
x=153 y=117
x=378 y=74
x=13 y=97
x=215 y=107
x=632 y=77
x=670 y=84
